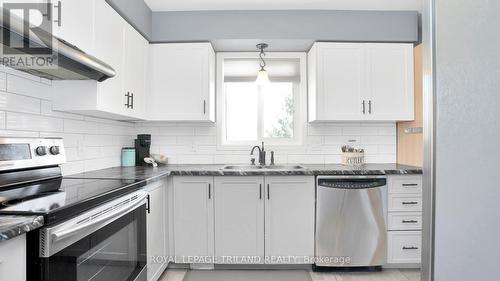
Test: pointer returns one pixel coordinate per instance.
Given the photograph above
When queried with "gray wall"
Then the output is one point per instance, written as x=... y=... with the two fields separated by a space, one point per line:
x=325 y=25
x=137 y=13
x=467 y=140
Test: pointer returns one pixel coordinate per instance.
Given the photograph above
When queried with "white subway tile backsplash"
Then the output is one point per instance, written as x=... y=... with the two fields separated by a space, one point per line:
x=353 y=140
x=176 y=131
x=21 y=85
x=205 y=131
x=2 y=120
x=19 y=103
x=360 y=131
x=98 y=140
x=19 y=134
x=378 y=139
x=31 y=122
x=3 y=81
x=306 y=158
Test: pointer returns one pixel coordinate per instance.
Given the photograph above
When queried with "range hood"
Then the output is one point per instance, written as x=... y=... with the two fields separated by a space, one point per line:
x=70 y=63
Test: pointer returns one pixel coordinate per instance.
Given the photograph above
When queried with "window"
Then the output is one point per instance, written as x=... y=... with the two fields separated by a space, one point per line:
x=249 y=113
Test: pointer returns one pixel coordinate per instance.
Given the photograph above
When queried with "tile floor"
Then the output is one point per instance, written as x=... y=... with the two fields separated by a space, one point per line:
x=386 y=275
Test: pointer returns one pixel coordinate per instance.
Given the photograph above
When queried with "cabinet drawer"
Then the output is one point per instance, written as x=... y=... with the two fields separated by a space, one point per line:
x=405 y=203
x=405 y=221
x=404 y=246
x=406 y=185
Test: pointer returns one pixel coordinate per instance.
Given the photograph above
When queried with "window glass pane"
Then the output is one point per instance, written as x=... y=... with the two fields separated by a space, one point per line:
x=278 y=110
x=241 y=111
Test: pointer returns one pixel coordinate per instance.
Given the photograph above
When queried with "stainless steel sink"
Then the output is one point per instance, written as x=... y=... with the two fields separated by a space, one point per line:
x=267 y=167
x=242 y=167
x=285 y=167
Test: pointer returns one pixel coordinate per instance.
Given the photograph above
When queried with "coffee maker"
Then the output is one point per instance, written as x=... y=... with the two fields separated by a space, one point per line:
x=142 y=147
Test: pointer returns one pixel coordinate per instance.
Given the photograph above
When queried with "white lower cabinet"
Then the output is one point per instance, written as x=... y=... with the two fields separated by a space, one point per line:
x=239 y=219
x=264 y=219
x=193 y=209
x=156 y=230
x=13 y=259
x=404 y=246
x=404 y=220
x=289 y=218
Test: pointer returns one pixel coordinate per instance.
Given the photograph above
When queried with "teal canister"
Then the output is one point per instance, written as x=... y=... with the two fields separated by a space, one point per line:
x=128 y=157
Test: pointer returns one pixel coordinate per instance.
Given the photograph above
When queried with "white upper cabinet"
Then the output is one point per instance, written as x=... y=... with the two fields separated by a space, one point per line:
x=182 y=82
x=390 y=81
x=121 y=97
x=73 y=21
x=360 y=82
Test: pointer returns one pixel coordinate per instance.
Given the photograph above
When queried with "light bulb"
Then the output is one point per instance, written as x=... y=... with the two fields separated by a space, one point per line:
x=262 y=77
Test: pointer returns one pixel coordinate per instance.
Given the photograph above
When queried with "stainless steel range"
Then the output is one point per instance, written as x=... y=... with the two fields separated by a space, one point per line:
x=94 y=229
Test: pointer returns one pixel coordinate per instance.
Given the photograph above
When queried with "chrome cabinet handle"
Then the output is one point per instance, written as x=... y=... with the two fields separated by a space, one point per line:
x=209 y=191
x=132 y=98
x=410 y=248
x=409 y=184
x=204 y=106
x=268 y=193
x=364 y=107
x=260 y=191
x=370 y=107
x=409 y=221
x=58 y=6
x=410 y=203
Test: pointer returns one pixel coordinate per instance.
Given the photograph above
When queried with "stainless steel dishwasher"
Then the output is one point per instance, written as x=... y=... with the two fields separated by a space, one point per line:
x=351 y=230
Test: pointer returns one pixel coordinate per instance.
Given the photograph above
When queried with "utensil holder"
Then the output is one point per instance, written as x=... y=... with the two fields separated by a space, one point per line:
x=353 y=158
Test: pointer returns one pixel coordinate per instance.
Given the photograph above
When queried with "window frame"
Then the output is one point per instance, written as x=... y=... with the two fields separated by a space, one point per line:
x=300 y=93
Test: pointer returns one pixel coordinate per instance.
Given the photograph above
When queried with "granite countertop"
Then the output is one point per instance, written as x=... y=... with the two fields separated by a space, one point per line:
x=151 y=174
x=12 y=226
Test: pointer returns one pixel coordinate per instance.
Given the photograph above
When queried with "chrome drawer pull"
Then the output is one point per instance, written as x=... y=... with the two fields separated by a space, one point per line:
x=409 y=184
x=409 y=221
x=410 y=203
x=410 y=248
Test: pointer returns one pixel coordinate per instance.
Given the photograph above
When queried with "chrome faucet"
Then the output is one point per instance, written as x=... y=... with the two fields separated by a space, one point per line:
x=262 y=154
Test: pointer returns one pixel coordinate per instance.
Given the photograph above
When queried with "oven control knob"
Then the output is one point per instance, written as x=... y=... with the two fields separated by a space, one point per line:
x=41 y=151
x=54 y=150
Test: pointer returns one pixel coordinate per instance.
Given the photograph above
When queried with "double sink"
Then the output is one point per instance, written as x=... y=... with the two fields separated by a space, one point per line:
x=267 y=167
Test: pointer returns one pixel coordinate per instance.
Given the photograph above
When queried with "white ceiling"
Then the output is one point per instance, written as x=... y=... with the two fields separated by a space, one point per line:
x=196 y=5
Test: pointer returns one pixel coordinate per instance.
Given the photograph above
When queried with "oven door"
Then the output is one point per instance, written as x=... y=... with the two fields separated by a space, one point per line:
x=107 y=243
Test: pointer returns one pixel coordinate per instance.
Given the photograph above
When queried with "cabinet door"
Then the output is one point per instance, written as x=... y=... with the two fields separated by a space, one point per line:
x=289 y=218
x=339 y=79
x=13 y=259
x=109 y=42
x=390 y=81
x=181 y=82
x=156 y=230
x=239 y=218
x=75 y=22
x=135 y=53
x=193 y=218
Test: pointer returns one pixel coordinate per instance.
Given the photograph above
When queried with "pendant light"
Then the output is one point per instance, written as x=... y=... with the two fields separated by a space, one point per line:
x=262 y=76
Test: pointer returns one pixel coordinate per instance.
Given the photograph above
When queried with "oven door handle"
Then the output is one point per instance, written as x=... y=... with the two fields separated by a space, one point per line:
x=100 y=221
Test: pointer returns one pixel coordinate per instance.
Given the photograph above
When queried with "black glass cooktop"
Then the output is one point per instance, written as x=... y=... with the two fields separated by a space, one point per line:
x=60 y=198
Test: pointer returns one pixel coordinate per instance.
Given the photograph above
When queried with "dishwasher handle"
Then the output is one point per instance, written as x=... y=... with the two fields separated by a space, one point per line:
x=352 y=183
